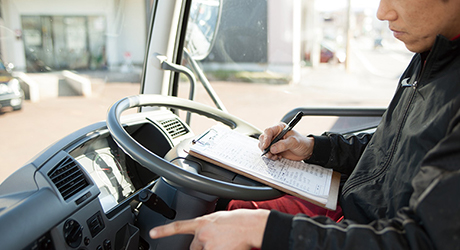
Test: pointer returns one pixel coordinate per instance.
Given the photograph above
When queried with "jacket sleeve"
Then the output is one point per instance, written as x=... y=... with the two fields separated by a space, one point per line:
x=339 y=152
x=429 y=222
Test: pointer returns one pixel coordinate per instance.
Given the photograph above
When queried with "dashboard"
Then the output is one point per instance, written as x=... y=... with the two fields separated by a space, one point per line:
x=107 y=168
x=83 y=191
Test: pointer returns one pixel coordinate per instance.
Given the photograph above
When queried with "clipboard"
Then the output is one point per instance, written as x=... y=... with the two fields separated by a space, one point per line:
x=239 y=153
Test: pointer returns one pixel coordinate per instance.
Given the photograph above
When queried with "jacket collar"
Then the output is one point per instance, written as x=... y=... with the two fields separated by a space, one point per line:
x=443 y=53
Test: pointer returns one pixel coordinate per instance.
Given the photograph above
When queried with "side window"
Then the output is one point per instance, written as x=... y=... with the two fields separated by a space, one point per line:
x=269 y=57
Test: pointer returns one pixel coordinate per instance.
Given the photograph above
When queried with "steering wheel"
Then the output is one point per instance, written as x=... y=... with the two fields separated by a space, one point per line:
x=171 y=172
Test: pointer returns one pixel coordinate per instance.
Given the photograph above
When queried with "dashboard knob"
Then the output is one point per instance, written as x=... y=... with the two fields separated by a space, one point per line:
x=73 y=233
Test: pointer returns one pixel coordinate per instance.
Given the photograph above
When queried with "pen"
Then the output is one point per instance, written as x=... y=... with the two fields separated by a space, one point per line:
x=288 y=128
x=203 y=135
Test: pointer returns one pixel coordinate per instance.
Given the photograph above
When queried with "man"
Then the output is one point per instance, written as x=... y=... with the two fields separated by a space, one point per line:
x=403 y=187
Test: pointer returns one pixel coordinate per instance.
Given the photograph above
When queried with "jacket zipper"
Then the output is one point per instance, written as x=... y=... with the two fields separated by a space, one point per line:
x=426 y=65
x=358 y=182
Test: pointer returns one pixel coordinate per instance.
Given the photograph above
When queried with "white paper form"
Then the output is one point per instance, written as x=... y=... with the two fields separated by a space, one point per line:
x=241 y=152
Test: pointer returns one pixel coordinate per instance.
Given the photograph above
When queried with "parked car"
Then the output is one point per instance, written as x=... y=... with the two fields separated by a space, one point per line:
x=329 y=53
x=11 y=93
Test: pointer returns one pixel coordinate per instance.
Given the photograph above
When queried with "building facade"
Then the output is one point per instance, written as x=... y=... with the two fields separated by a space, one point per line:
x=44 y=35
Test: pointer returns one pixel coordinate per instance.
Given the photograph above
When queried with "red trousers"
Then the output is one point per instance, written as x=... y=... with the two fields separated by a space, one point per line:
x=290 y=205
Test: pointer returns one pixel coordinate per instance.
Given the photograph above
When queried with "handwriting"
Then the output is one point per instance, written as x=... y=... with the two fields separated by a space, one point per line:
x=241 y=152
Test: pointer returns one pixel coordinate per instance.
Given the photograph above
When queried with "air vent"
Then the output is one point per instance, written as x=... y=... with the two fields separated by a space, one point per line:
x=68 y=178
x=174 y=127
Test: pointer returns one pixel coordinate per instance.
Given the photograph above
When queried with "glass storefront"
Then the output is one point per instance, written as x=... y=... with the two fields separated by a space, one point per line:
x=64 y=42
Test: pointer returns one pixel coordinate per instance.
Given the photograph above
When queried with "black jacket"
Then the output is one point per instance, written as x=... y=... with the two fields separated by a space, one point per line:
x=403 y=188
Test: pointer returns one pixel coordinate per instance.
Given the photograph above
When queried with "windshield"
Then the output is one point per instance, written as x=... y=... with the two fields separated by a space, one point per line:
x=74 y=59
x=269 y=57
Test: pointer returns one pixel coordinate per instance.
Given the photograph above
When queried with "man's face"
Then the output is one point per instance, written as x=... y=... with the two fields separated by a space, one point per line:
x=417 y=22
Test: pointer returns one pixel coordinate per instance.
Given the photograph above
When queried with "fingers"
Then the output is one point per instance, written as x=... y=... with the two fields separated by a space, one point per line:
x=269 y=133
x=236 y=229
x=279 y=149
x=177 y=227
x=293 y=146
x=196 y=244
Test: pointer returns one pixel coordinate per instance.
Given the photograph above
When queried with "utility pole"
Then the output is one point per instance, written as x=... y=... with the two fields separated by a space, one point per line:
x=347 y=49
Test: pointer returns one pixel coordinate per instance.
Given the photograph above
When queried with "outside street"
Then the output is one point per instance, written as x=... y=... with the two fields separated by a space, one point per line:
x=371 y=80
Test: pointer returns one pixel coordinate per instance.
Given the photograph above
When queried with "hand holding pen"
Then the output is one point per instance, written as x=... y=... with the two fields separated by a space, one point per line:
x=288 y=128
